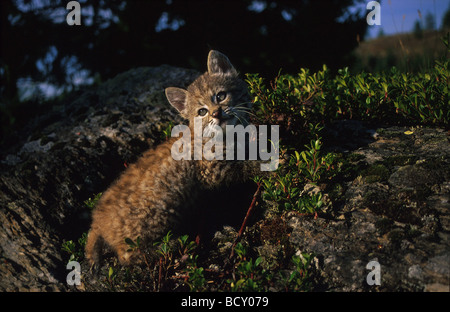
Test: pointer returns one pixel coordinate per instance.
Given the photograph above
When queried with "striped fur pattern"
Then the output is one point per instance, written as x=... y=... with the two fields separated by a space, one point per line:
x=158 y=193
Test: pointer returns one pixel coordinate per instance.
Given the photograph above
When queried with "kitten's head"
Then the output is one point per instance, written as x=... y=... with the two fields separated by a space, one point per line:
x=218 y=96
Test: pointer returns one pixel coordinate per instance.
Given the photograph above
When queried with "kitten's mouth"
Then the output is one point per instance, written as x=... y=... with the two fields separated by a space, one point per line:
x=223 y=122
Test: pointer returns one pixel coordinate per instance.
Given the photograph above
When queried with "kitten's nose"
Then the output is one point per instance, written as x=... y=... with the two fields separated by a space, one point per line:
x=217 y=113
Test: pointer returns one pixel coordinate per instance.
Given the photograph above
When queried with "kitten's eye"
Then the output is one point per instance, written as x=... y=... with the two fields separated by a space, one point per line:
x=202 y=111
x=221 y=96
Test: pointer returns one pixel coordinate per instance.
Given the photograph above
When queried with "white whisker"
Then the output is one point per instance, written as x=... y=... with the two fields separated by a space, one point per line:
x=239 y=110
x=239 y=117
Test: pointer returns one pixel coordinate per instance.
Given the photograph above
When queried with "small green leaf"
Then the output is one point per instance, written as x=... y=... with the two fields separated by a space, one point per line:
x=130 y=242
x=110 y=272
x=304 y=156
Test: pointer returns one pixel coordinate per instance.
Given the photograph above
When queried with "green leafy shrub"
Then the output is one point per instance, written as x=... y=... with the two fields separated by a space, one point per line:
x=248 y=274
x=195 y=275
x=167 y=131
x=299 y=279
x=92 y=202
x=311 y=165
x=303 y=104
x=294 y=101
x=75 y=249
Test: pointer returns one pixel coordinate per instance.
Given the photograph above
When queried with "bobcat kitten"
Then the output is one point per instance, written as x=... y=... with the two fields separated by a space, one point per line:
x=158 y=193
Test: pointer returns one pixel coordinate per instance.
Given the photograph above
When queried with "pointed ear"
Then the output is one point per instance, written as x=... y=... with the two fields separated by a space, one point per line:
x=177 y=98
x=218 y=63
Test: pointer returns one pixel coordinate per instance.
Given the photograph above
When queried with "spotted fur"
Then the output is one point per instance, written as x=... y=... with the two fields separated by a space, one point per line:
x=158 y=193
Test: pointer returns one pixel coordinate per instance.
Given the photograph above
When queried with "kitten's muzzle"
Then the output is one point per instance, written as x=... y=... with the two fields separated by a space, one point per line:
x=217 y=113
x=221 y=117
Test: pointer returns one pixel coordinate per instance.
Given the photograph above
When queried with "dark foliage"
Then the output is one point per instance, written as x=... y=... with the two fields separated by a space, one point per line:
x=114 y=36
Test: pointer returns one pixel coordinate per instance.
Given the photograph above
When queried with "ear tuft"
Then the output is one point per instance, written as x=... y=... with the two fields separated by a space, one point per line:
x=218 y=63
x=177 y=97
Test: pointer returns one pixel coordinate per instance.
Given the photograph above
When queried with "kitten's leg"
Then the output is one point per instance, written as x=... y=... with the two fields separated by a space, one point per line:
x=125 y=256
x=94 y=245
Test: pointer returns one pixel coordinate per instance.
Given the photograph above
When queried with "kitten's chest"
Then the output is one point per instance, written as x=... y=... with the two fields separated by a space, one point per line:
x=214 y=172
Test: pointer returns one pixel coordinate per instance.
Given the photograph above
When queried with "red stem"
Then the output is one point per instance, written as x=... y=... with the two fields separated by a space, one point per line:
x=241 y=230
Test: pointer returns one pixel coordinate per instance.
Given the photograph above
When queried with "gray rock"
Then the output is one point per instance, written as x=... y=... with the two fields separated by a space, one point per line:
x=395 y=211
x=72 y=152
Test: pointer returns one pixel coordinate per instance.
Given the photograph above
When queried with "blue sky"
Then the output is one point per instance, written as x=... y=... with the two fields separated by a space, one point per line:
x=398 y=16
